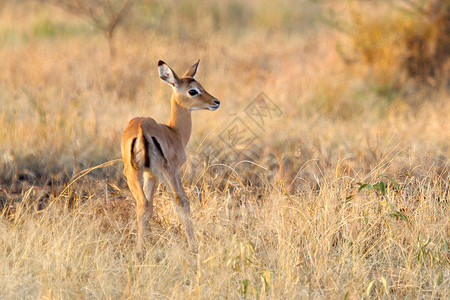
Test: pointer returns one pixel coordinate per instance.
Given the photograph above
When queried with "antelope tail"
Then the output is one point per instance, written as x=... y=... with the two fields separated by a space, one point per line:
x=146 y=152
x=139 y=151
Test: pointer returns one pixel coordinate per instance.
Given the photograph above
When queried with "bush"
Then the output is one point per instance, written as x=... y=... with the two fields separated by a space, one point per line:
x=400 y=41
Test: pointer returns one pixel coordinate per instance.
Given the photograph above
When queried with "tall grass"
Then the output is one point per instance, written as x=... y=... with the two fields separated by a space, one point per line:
x=315 y=244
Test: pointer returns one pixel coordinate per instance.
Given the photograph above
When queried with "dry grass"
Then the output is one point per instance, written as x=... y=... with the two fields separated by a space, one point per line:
x=290 y=224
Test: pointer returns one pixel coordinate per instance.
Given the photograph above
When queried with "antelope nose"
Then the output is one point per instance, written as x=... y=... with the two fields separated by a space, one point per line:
x=216 y=101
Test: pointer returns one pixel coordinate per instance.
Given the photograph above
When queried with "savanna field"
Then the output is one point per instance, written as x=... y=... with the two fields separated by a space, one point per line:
x=323 y=175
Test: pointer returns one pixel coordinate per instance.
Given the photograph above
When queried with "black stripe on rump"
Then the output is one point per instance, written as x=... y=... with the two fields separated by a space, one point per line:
x=158 y=146
x=132 y=156
x=146 y=146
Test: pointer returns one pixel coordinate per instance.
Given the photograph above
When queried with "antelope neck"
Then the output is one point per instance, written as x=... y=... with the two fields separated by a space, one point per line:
x=180 y=121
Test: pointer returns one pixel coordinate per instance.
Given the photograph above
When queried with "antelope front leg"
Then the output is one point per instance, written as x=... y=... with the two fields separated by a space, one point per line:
x=183 y=208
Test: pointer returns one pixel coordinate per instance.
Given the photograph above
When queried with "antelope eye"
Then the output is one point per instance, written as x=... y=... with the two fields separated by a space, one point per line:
x=193 y=92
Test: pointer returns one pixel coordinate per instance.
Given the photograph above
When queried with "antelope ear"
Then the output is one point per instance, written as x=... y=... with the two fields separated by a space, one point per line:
x=192 y=70
x=167 y=74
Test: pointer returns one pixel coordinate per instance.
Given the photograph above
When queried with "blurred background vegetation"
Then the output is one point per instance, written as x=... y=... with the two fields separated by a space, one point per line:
x=71 y=67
